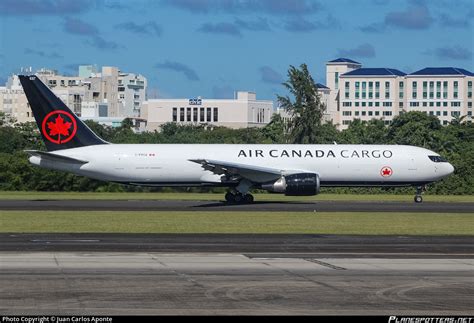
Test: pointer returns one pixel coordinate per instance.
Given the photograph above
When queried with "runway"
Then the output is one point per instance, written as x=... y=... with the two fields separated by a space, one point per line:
x=198 y=284
x=218 y=206
x=200 y=274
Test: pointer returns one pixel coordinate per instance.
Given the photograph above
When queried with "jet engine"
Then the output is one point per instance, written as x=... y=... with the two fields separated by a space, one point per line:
x=303 y=184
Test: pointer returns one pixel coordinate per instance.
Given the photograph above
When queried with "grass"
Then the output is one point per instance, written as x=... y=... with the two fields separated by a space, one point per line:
x=220 y=196
x=237 y=222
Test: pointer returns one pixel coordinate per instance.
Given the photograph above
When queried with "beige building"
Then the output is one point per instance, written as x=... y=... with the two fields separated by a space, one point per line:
x=444 y=92
x=13 y=101
x=241 y=112
x=92 y=95
x=383 y=93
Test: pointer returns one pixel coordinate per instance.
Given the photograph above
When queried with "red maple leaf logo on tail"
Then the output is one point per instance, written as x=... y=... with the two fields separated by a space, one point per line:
x=59 y=127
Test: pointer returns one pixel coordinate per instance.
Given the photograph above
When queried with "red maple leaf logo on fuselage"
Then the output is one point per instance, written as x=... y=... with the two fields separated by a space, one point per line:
x=59 y=127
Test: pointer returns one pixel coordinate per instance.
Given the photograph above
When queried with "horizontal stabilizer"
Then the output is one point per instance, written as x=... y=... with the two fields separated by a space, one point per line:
x=55 y=157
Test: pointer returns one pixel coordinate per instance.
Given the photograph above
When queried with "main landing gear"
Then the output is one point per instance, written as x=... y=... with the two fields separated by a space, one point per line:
x=238 y=198
x=419 y=190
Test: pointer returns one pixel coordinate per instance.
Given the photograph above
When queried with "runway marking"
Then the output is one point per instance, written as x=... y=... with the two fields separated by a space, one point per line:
x=71 y=240
x=325 y=264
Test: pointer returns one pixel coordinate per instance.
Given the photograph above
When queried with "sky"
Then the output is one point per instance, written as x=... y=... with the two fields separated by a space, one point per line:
x=211 y=48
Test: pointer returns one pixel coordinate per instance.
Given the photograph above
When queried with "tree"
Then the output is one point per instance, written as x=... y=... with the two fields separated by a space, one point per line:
x=306 y=110
x=276 y=130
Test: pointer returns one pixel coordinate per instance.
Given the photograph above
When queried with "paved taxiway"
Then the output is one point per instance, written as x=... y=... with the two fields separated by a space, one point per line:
x=160 y=283
x=263 y=245
x=169 y=205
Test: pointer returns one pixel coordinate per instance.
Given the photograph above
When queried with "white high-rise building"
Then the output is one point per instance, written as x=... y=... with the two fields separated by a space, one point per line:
x=132 y=93
x=383 y=93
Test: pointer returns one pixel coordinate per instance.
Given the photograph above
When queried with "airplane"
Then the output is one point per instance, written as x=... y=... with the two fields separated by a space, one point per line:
x=293 y=170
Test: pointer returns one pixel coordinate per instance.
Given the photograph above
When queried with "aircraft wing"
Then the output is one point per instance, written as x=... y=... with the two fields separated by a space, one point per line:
x=55 y=157
x=254 y=174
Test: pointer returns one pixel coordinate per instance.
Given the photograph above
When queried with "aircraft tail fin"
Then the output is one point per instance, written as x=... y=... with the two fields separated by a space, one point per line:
x=60 y=128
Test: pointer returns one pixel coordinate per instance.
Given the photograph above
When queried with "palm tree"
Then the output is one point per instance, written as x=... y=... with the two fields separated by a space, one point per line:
x=306 y=110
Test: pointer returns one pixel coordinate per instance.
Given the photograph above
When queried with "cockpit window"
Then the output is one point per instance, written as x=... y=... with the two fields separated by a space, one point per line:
x=438 y=159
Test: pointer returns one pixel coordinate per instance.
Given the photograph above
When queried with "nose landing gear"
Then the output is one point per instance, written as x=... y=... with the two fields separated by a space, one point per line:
x=419 y=190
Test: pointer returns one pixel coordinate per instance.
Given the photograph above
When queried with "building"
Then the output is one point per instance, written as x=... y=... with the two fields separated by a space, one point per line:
x=132 y=93
x=13 y=101
x=383 y=93
x=444 y=92
x=241 y=112
x=367 y=93
x=97 y=96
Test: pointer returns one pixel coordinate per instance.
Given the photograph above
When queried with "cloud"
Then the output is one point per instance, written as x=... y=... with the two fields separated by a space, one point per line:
x=220 y=28
x=40 y=53
x=417 y=16
x=79 y=27
x=374 y=28
x=362 y=51
x=179 y=67
x=450 y=52
x=100 y=43
x=235 y=28
x=44 y=7
x=269 y=75
x=222 y=92
x=448 y=21
x=261 y=24
x=299 y=24
x=272 y=7
x=149 y=28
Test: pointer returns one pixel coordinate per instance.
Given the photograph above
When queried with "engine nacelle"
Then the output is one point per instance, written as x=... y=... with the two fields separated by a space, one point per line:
x=303 y=184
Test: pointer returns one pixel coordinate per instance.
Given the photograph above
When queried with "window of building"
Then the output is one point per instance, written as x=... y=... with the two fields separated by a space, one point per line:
x=364 y=113
x=216 y=115
x=363 y=104
x=469 y=89
x=181 y=114
x=400 y=104
x=370 y=104
x=401 y=89
x=445 y=113
x=336 y=79
x=357 y=90
x=370 y=113
x=445 y=104
x=431 y=90
x=387 y=90
x=346 y=122
x=356 y=113
x=377 y=104
x=425 y=104
x=346 y=113
x=438 y=90
x=195 y=115
x=431 y=104
x=175 y=114
x=377 y=113
x=438 y=104
x=387 y=113
x=188 y=114
x=209 y=114
x=455 y=93
x=364 y=90
x=347 y=90
x=201 y=115
x=377 y=90
x=356 y=104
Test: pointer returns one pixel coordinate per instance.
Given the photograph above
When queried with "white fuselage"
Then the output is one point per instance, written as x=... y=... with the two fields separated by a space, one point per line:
x=336 y=165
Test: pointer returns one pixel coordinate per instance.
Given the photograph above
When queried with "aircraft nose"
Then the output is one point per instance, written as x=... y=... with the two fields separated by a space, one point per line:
x=449 y=169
